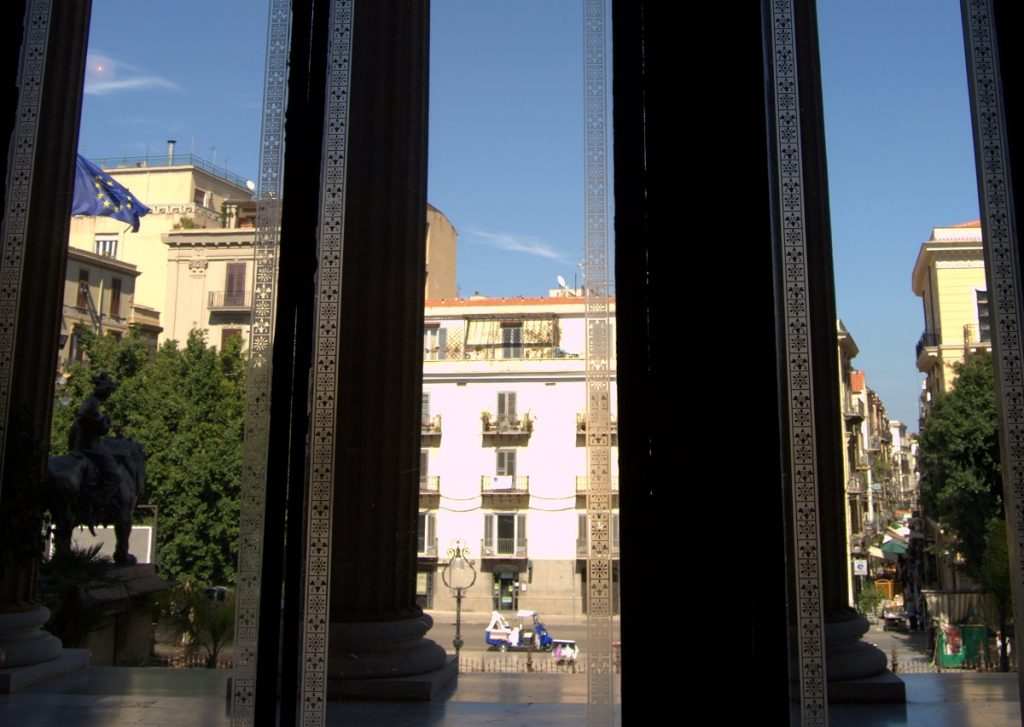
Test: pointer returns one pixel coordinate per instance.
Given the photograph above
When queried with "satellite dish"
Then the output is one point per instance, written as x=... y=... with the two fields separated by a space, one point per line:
x=251 y=185
x=561 y=282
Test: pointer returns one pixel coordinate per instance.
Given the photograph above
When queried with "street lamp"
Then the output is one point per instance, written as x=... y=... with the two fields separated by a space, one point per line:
x=459 y=575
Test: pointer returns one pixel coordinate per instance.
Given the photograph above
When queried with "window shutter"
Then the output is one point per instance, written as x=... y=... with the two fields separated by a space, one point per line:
x=423 y=465
x=442 y=343
x=501 y=405
x=510 y=402
x=115 y=296
x=425 y=411
x=581 y=527
x=430 y=528
x=510 y=463
x=489 y=530
x=521 y=533
x=234 y=284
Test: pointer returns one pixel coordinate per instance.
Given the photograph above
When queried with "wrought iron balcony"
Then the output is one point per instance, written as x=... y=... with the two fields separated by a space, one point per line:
x=430 y=484
x=492 y=426
x=505 y=485
x=431 y=426
x=229 y=300
x=582 y=482
x=928 y=338
x=503 y=548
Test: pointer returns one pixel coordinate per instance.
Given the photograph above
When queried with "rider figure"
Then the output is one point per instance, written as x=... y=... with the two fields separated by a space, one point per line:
x=86 y=436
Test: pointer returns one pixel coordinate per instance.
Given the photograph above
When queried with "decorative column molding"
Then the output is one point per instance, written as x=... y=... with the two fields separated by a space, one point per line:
x=1002 y=250
x=258 y=382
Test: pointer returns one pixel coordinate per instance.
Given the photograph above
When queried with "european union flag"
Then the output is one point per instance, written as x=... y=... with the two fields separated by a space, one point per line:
x=98 y=195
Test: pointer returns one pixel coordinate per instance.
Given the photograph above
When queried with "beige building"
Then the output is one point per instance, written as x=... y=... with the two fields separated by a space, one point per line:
x=949 y=277
x=182 y=192
x=209 y=272
x=99 y=293
x=441 y=243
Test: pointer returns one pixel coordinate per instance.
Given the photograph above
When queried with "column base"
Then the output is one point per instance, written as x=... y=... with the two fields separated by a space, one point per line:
x=23 y=641
x=846 y=655
x=416 y=688
x=386 y=660
x=19 y=677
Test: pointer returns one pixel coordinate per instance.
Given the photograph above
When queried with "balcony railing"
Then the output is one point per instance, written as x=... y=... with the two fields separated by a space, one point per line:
x=426 y=549
x=431 y=426
x=505 y=485
x=503 y=548
x=229 y=300
x=509 y=426
x=430 y=484
x=582 y=480
x=581 y=423
x=161 y=160
x=975 y=336
x=583 y=549
x=928 y=338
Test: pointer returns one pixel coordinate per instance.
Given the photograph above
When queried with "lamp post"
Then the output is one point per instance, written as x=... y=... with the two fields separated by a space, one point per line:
x=459 y=575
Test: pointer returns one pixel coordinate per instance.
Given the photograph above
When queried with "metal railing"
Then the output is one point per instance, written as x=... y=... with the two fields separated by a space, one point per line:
x=161 y=160
x=928 y=338
x=222 y=299
x=505 y=484
x=430 y=484
x=504 y=548
x=581 y=484
x=506 y=425
x=431 y=425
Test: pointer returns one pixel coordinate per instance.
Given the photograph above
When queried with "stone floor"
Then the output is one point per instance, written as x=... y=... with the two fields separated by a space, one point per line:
x=107 y=696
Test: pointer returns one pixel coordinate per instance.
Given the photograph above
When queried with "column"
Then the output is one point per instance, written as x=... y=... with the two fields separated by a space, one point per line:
x=377 y=630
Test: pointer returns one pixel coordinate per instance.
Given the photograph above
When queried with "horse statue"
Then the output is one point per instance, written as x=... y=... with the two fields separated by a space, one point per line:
x=99 y=481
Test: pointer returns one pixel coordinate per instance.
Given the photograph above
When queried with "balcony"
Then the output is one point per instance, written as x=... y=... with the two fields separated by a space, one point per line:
x=853 y=411
x=582 y=482
x=430 y=430
x=430 y=491
x=229 y=300
x=581 y=430
x=426 y=548
x=855 y=486
x=505 y=490
x=505 y=428
x=503 y=548
x=583 y=549
x=927 y=339
x=976 y=339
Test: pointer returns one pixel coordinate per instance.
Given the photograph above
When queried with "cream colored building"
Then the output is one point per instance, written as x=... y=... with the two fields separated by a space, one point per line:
x=503 y=459
x=441 y=243
x=209 y=272
x=99 y=294
x=182 y=192
x=949 y=277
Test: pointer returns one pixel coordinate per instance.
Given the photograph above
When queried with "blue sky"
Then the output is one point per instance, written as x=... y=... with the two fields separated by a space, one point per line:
x=506 y=137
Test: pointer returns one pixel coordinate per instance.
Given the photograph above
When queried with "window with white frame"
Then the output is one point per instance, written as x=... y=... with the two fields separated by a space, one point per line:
x=435 y=343
x=506 y=408
x=106 y=245
x=426 y=533
x=505 y=534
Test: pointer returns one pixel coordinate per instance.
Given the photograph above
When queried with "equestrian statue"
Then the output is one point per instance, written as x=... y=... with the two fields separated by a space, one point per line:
x=100 y=479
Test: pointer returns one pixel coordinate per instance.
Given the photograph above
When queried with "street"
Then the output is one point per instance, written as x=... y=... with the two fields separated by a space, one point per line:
x=475 y=624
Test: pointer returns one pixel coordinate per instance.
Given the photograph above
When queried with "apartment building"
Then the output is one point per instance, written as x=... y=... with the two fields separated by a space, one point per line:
x=503 y=458
x=949 y=277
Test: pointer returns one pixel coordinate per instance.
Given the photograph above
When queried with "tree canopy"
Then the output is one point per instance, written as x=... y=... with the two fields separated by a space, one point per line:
x=185 y=407
x=961 y=480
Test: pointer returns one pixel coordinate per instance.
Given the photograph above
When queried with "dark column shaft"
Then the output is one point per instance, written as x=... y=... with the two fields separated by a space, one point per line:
x=380 y=362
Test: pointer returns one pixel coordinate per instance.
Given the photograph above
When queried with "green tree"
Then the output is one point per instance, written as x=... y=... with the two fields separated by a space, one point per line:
x=961 y=480
x=995 y=578
x=185 y=407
